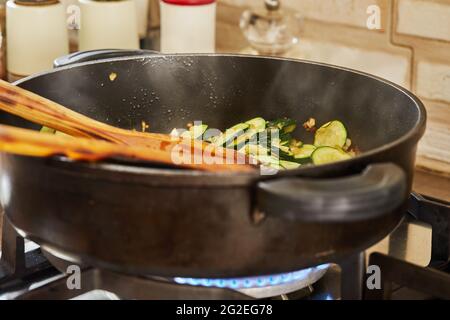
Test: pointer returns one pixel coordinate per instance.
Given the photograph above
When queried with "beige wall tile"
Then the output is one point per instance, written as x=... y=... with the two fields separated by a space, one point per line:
x=229 y=38
x=381 y=63
x=436 y=142
x=349 y=12
x=433 y=81
x=243 y=3
x=391 y=66
x=429 y=19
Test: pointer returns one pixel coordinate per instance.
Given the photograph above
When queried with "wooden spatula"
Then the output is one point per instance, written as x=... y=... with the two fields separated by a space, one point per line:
x=35 y=108
x=33 y=143
x=40 y=110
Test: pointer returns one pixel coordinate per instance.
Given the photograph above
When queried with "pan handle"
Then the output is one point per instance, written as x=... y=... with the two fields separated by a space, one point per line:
x=377 y=191
x=83 y=56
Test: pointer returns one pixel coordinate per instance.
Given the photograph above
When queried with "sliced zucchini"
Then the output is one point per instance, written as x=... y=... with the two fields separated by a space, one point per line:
x=256 y=126
x=331 y=134
x=254 y=149
x=275 y=166
x=239 y=126
x=285 y=138
x=285 y=125
x=288 y=157
x=53 y=131
x=266 y=139
x=268 y=160
x=240 y=140
x=281 y=142
x=282 y=155
x=286 y=149
x=230 y=135
x=323 y=155
x=197 y=131
x=289 y=128
x=246 y=136
x=289 y=165
x=294 y=143
x=304 y=152
x=45 y=129
x=257 y=123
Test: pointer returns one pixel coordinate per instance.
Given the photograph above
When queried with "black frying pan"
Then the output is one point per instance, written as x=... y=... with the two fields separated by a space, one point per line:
x=148 y=220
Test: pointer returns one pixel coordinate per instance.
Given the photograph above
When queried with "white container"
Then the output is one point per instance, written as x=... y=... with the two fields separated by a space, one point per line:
x=36 y=35
x=188 y=26
x=108 y=25
x=142 y=17
x=73 y=20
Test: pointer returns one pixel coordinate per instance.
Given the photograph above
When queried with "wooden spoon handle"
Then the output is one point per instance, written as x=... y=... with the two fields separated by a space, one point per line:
x=32 y=107
x=32 y=143
x=35 y=108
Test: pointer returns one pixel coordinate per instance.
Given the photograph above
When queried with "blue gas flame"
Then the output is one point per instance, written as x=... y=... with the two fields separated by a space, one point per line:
x=251 y=282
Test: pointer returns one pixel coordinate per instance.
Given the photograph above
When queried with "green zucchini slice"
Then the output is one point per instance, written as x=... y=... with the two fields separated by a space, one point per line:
x=250 y=134
x=197 y=131
x=239 y=126
x=257 y=123
x=53 y=131
x=289 y=164
x=230 y=135
x=45 y=129
x=254 y=149
x=323 y=155
x=285 y=125
x=331 y=134
x=267 y=160
x=304 y=151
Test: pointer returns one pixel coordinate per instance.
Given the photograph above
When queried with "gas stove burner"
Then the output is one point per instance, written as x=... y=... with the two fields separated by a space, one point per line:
x=262 y=286
x=252 y=282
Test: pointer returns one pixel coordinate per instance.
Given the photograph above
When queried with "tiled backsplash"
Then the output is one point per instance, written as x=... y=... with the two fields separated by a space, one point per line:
x=424 y=18
x=412 y=48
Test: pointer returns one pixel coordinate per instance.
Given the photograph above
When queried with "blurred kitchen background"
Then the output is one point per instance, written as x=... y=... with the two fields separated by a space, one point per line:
x=404 y=41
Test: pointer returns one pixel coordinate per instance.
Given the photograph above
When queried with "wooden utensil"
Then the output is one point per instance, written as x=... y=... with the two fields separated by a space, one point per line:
x=32 y=107
x=37 y=109
x=33 y=143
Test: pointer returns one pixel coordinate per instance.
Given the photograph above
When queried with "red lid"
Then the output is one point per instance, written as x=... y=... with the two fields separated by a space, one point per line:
x=189 y=2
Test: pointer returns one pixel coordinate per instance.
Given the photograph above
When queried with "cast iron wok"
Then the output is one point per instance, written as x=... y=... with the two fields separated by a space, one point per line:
x=139 y=219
